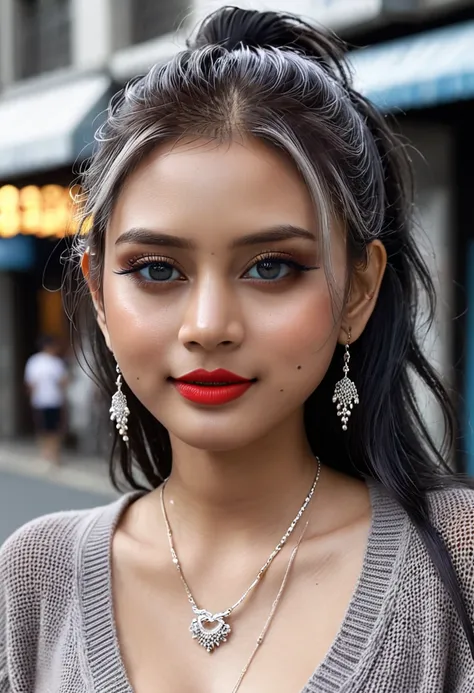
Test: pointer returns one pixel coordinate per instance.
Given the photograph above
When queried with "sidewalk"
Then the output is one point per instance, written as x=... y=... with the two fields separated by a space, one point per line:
x=77 y=471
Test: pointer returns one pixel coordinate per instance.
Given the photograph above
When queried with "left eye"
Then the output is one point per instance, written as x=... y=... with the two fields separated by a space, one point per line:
x=159 y=272
x=269 y=269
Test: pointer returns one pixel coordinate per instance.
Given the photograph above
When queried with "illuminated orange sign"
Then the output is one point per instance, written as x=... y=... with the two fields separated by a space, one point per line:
x=46 y=211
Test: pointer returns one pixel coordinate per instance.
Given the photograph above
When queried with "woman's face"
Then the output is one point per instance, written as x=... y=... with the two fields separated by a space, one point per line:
x=212 y=262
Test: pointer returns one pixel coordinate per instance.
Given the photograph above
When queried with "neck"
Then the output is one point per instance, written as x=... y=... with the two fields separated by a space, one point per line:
x=242 y=493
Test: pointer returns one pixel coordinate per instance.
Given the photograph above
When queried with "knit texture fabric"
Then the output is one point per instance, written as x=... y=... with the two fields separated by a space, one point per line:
x=400 y=633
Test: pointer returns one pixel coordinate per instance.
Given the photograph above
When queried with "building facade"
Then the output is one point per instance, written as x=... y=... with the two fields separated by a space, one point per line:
x=60 y=61
x=421 y=67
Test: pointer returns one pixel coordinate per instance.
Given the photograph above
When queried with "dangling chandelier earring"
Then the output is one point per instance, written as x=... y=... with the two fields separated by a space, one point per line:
x=119 y=410
x=345 y=392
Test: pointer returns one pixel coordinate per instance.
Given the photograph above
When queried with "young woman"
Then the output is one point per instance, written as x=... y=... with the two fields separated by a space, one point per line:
x=254 y=289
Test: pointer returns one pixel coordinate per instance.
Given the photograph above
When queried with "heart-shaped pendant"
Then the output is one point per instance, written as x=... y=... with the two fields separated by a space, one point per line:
x=210 y=630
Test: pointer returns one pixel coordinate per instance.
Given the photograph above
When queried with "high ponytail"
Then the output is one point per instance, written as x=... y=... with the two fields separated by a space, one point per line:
x=279 y=79
x=233 y=28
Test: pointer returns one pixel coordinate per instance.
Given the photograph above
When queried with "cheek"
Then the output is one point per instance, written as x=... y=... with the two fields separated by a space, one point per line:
x=301 y=331
x=138 y=334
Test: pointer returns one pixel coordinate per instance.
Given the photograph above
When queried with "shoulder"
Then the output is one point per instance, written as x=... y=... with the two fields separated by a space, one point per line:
x=32 y=361
x=452 y=514
x=40 y=592
x=38 y=578
x=59 y=365
x=44 y=551
x=58 y=361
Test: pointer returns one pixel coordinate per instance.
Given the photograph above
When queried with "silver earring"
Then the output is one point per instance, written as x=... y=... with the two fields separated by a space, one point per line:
x=345 y=392
x=119 y=410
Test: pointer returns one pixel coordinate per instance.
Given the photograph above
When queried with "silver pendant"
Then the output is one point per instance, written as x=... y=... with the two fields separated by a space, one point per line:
x=210 y=630
x=346 y=395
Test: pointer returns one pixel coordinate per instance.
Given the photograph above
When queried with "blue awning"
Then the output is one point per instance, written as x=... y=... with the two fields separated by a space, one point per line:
x=424 y=70
x=50 y=126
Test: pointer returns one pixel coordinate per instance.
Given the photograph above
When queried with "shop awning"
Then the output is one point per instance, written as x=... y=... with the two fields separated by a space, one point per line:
x=52 y=126
x=424 y=70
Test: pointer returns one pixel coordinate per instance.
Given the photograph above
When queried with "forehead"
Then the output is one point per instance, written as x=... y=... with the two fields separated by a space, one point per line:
x=195 y=186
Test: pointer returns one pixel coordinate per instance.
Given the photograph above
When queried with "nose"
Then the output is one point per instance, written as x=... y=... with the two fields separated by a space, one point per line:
x=212 y=318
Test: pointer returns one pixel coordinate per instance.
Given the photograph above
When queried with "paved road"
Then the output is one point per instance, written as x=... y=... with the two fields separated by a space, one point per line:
x=23 y=498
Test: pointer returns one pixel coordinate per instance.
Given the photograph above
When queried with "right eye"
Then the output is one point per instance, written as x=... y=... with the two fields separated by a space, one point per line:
x=158 y=272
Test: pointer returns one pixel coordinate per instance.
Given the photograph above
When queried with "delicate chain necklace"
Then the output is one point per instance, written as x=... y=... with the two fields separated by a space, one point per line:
x=275 y=604
x=211 y=629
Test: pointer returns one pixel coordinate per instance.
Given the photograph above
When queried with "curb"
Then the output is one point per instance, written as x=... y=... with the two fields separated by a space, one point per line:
x=92 y=479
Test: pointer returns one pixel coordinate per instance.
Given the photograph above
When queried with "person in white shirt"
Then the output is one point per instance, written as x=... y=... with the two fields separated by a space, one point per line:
x=46 y=378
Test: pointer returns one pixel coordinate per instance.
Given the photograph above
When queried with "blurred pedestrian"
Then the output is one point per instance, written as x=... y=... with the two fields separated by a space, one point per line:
x=46 y=380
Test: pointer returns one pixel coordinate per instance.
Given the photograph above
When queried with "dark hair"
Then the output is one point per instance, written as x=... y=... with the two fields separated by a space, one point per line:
x=47 y=341
x=283 y=81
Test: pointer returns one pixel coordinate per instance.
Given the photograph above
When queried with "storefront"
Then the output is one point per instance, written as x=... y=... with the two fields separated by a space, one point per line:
x=44 y=134
x=36 y=222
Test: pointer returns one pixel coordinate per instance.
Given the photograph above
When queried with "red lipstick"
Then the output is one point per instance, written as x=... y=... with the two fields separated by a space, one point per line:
x=211 y=387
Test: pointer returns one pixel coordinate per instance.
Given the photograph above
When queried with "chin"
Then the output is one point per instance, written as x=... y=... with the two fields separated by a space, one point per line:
x=216 y=438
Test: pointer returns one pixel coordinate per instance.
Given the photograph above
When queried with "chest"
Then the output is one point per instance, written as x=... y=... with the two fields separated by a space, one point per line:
x=45 y=372
x=153 y=619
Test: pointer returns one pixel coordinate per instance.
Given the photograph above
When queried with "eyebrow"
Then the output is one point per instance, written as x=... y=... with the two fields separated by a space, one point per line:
x=283 y=232
x=146 y=236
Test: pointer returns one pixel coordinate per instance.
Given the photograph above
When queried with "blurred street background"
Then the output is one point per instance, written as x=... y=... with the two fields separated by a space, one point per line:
x=60 y=62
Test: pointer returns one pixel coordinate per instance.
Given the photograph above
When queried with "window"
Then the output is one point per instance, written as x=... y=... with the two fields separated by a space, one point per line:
x=43 y=36
x=153 y=18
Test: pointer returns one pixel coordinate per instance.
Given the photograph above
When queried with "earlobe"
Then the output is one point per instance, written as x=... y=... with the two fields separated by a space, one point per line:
x=95 y=295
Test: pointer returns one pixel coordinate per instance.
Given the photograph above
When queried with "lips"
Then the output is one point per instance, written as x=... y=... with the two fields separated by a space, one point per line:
x=212 y=388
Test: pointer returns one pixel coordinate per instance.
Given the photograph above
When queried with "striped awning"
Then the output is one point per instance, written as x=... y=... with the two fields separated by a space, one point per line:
x=50 y=126
x=423 y=70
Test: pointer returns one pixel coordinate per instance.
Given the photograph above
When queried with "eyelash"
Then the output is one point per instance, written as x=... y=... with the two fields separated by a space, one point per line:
x=135 y=265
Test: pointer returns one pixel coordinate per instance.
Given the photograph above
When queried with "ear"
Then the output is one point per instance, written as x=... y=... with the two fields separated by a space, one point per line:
x=95 y=295
x=364 y=290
